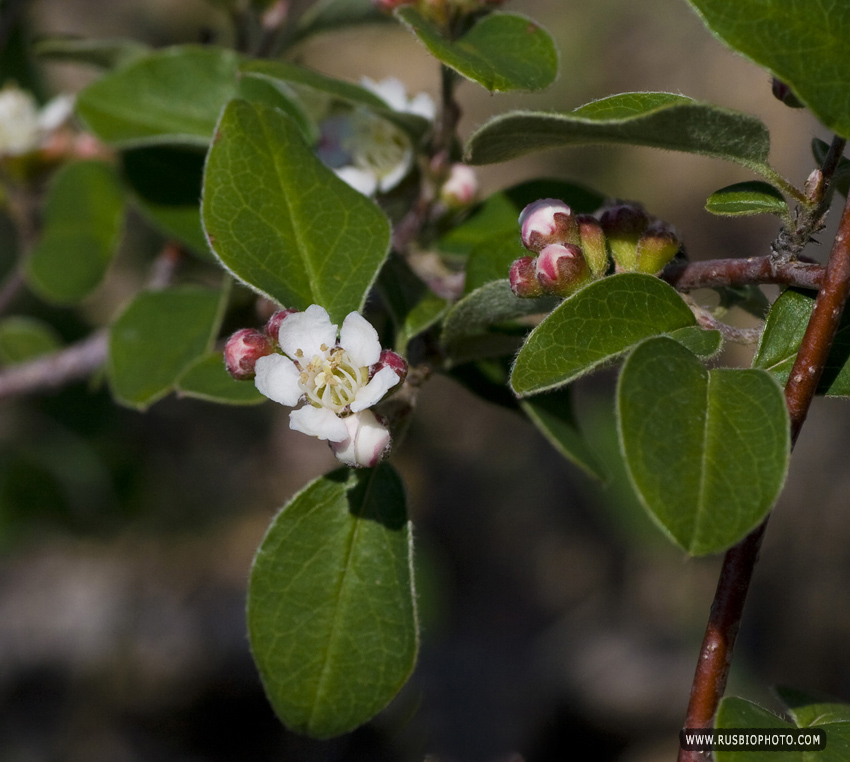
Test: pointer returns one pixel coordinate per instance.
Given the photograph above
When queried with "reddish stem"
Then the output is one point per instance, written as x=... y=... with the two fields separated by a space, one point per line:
x=743 y=272
x=716 y=653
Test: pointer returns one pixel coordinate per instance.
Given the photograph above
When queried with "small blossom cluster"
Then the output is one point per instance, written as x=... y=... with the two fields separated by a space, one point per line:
x=338 y=375
x=573 y=249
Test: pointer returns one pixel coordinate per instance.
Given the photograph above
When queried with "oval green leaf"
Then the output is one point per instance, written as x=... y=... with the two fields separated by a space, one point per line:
x=783 y=334
x=597 y=325
x=157 y=337
x=331 y=612
x=81 y=231
x=328 y=15
x=657 y=120
x=744 y=199
x=207 y=379
x=502 y=51
x=282 y=222
x=103 y=53
x=172 y=95
x=707 y=451
x=23 y=338
x=803 y=44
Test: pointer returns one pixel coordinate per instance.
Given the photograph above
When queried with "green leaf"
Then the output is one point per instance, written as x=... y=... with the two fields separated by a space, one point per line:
x=208 y=379
x=104 y=53
x=336 y=89
x=502 y=51
x=24 y=338
x=841 y=177
x=700 y=341
x=171 y=96
x=802 y=44
x=331 y=611
x=166 y=181
x=783 y=333
x=465 y=328
x=329 y=15
x=707 y=451
x=657 y=120
x=81 y=231
x=595 y=326
x=282 y=222
x=744 y=199
x=156 y=338
x=805 y=712
x=553 y=416
x=487 y=379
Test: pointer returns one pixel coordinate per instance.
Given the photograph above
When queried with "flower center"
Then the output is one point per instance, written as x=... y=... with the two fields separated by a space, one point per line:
x=378 y=146
x=331 y=380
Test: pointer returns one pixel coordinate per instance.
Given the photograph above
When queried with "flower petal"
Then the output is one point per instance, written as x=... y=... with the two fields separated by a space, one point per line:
x=359 y=338
x=368 y=395
x=318 y=422
x=391 y=90
x=277 y=378
x=366 y=442
x=55 y=112
x=307 y=331
x=423 y=105
x=361 y=180
x=390 y=179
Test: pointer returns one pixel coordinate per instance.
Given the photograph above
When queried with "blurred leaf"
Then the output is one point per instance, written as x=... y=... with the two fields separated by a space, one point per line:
x=802 y=44
x=751 y=299
x=487 y=379
x=103 y=53
x=272 y=93
x=329 y=15
x=707 y=450
x=170 y=96
x=156 y=338
x=208 y=379
x=553 y=416
x=166 y=181
x=331 y=612
x=841 y=178
x=493 y=303
x=502 y=51
x=594 y=326
x=82 y=227
x=783 y=333
x=743 y=199
x=23 y=338
x=657 y=120
x=282 y=222
x=338 y=89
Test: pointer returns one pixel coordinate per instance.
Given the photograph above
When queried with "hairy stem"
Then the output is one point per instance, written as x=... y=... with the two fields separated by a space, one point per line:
x=739 y=563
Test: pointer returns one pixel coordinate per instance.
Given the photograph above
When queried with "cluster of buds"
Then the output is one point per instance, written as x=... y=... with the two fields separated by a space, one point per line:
x=572 y=250
x=339 y=375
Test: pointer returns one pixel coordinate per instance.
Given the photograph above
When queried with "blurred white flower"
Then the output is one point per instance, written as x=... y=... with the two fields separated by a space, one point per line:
x=23 y=126
x=338 y=379
x=392 y=91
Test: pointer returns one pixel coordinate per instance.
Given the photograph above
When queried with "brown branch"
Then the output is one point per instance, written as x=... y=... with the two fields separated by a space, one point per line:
x=743 y=272
x=716 y=653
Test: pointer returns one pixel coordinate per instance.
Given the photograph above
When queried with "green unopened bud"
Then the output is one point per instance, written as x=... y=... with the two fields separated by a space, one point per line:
x=593 y=244
x=656 y=247
x=624 y=224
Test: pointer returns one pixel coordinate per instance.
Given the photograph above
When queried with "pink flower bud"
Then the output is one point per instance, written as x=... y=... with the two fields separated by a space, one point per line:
x=561 y=268
x=272 y=328
x=368 y=440
x=523 y=278
x=390 y=359
x=461 y=187
x=242 y=351
x=547 y=221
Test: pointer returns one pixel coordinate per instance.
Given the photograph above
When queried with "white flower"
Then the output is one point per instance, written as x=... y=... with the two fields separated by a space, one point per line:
x=23 y=127
x=368 y=152
x=333 y=377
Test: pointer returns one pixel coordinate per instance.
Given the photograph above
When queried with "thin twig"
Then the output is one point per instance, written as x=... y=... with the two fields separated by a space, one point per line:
x=743 y=272
x=739 y=563
x=729 y=332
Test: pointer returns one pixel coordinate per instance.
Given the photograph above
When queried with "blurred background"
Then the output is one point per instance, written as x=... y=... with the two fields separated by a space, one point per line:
x=556 y=620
